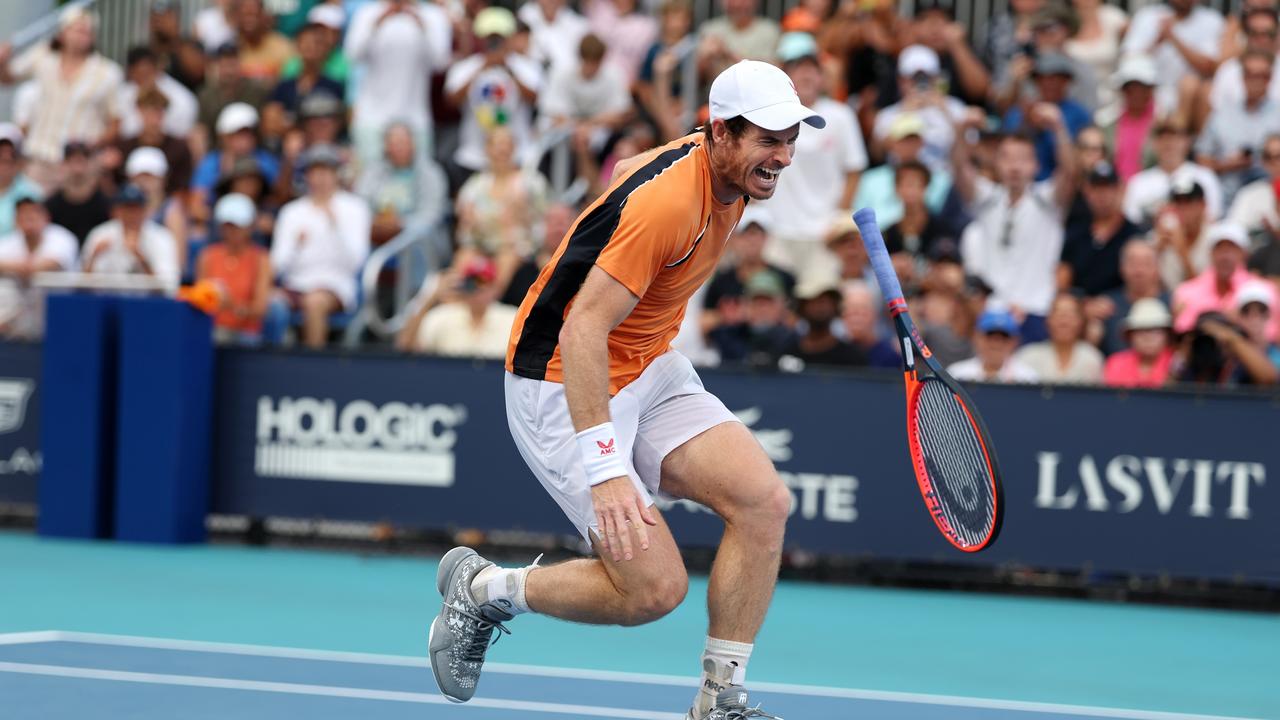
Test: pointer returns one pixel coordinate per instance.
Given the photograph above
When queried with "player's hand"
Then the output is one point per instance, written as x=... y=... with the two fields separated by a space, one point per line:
x=619 y=512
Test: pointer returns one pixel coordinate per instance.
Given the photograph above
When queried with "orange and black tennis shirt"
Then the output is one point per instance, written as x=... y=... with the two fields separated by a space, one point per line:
x=659 y=231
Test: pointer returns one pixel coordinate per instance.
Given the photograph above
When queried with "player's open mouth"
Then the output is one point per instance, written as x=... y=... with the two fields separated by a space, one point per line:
x=768 y=177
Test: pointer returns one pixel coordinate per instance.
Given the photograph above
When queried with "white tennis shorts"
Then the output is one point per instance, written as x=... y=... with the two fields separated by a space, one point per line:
x=658 y=412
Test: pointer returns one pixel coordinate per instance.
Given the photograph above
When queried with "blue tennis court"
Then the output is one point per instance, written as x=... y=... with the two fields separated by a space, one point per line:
x=269 y=633
x=75 y=675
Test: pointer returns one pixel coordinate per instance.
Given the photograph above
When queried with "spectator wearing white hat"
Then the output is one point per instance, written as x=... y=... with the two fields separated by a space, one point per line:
x=398 y=45
x=237 y=137
x=1215 y=288
x=918 y=70
x=818 y=304
x=77 y=91
x=327 y=21
x=131 y=243
x=823 y=177
x=904 y=142
x=14 y=183
x=148 y=169
x=321 y=241
x=1148 y=191
x=1258 y=355
x=35 y=245
x=1148 y=360
x=1183 y=37
x=240 y=268
x=1129 y=134
x=493 y=88
x=1232 y=140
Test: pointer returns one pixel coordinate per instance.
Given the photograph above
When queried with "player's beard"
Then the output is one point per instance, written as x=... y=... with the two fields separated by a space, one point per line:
x=736 y=170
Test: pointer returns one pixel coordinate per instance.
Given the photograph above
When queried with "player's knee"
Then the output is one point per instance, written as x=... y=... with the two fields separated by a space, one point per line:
x=777 y=506
x=657 y=599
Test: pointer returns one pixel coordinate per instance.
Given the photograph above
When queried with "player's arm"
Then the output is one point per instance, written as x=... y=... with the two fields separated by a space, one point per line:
x=601 y=305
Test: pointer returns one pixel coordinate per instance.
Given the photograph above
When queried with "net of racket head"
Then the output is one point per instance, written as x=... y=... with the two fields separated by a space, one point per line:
x=951 y=451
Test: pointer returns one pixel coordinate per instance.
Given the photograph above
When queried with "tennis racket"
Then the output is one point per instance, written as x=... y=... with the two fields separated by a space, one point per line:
x=951 y=450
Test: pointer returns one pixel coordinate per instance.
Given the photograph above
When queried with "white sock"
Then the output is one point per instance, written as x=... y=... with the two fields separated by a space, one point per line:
x=496 y=585
x=724 y=663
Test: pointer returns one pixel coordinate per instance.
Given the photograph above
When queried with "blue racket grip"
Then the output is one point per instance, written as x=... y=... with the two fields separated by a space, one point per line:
x=865 y=219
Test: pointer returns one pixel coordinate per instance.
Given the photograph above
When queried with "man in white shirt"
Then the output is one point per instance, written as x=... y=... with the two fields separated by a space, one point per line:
x=142 y=72
x=554 y=33
x=474 y=324
x=1015 y=240
x=1260 y=33
x=1255 y=205
x=1148 y=191
x=34 y=246
x=589 y=95
x=321 y=241
x=1185 y=40
x=397 y=45
x=1230 y=143
x=494 y=87
x=997 y=339
x=823 y=177
x=918 y=72
x=132 y=244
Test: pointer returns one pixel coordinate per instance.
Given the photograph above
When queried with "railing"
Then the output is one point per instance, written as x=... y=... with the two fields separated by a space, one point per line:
x=108 y=282
x=407 y=249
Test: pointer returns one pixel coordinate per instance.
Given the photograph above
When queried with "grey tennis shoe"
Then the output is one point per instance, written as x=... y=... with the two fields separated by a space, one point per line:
x=463 y=631
x=731 y=704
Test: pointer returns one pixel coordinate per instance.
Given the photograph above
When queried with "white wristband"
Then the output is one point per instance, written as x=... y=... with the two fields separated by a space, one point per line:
x=602 y=456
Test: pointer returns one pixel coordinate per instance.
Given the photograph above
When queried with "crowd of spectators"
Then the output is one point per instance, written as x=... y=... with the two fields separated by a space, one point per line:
x=1088 y=196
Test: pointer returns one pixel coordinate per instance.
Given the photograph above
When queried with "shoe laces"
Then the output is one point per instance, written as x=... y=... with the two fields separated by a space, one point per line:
x=483 y=638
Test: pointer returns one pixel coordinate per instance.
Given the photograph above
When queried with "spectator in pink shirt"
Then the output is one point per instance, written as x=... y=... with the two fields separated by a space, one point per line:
x=1215 y=288
x=1146 y=364
x=1130 y=133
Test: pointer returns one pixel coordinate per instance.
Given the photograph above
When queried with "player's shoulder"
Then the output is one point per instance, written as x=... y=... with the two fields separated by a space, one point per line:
x=665 y=180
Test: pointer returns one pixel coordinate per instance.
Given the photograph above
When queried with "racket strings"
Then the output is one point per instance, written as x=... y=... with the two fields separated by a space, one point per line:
x=955 y=462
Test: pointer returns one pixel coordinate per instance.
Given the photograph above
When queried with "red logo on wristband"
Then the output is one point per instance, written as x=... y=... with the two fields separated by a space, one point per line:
x=606 y=448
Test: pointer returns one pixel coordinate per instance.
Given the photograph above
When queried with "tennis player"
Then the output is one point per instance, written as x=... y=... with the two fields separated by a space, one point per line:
x=605 y=413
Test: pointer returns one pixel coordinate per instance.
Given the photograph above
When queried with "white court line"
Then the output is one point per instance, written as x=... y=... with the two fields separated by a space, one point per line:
x=324 y=691
x=615 y=676
x=22 y=638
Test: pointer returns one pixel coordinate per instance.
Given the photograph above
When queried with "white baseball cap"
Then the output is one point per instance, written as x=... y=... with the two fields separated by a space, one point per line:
x=1232 y=232
x=1135 y=68
x=330 y=16
x=146 y=161
x=918 y=59
x=761 y=93
x=236 y=117
x=1257 y=291
x=235 y=209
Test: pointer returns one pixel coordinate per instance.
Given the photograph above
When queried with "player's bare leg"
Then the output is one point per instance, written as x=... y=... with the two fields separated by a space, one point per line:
x=602 y=591
x=725 y=469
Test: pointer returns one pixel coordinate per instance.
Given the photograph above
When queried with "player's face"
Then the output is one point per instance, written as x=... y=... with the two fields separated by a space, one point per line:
x=753 y=161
